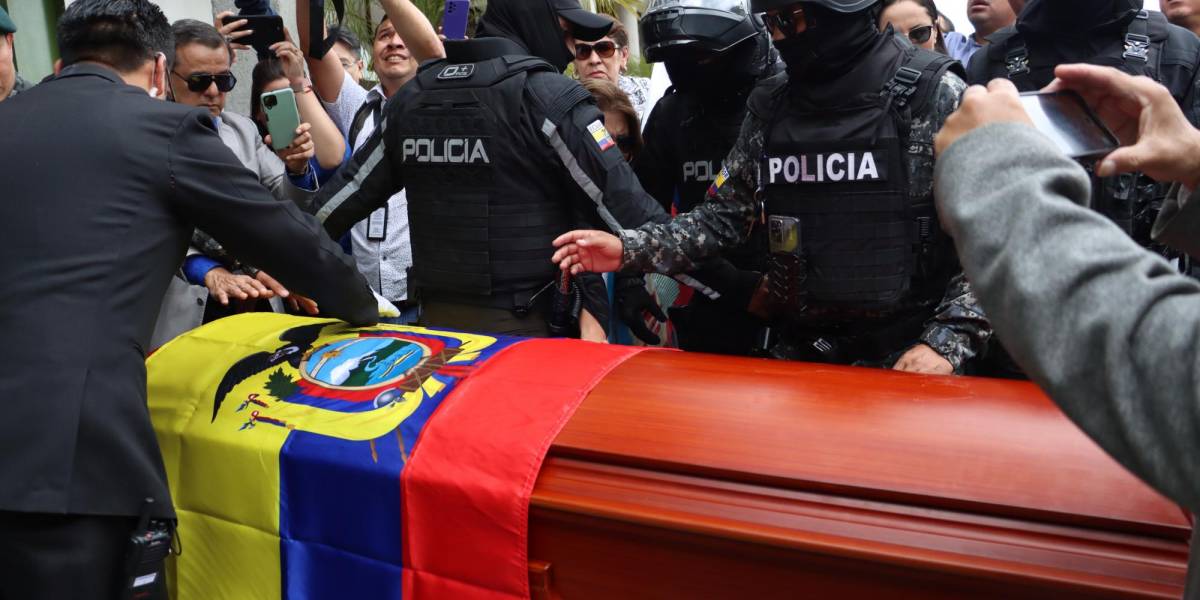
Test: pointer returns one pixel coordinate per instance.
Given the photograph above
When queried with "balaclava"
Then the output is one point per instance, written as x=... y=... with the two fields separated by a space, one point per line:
x=830 y=44
x=1062 y=17
x=531 y=23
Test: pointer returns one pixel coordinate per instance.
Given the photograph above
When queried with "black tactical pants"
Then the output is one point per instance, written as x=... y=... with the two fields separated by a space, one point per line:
x=66 y=557
x=480 y=319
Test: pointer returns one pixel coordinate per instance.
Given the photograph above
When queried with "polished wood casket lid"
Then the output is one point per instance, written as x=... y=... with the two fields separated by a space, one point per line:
x=722 y=477
x=989 y=446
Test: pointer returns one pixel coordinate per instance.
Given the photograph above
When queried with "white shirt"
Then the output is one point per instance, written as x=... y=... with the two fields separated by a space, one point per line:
x=383 y=262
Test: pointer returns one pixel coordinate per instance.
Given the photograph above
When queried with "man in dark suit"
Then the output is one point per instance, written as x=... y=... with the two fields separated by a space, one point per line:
x=103 y=185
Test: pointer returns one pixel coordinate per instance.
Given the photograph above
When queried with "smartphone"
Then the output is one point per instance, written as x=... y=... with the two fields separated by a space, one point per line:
x=1066 y=119
x=283 y=118
x=267 y=31
x=454 y=20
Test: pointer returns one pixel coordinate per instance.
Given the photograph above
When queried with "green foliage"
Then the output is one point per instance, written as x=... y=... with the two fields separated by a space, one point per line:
x=280 y=386
x=609 y=7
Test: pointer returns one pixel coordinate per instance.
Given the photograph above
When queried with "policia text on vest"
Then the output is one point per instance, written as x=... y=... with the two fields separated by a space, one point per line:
x=826 y=168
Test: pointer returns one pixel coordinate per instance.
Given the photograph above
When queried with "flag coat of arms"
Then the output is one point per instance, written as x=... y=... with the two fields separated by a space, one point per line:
x=304 y=455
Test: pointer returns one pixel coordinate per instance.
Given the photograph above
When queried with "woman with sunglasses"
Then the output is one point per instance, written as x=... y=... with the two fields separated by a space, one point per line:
x=915 y=19
x=608 y=59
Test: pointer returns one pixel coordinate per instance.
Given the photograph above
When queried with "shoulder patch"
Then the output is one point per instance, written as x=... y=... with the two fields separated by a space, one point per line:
x=600 y=135
x=456 y=72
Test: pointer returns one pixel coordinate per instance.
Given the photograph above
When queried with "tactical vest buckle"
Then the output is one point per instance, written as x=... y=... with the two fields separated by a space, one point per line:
x=903 y=85
x=1017 y=62
x=1137 y=46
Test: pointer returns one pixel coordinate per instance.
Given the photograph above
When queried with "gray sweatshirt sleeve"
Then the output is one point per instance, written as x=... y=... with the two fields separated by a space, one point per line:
x=1109 y=330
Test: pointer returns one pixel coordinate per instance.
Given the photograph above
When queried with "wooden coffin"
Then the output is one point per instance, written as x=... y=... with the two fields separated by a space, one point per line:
x=692 y=476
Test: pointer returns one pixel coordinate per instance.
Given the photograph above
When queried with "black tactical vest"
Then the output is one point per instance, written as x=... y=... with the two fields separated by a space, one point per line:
x=868 y=241
x=481 y=224
x=1151 y=47
x=701 y=142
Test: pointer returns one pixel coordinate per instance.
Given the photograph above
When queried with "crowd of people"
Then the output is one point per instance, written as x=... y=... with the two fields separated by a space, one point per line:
x=789 y=197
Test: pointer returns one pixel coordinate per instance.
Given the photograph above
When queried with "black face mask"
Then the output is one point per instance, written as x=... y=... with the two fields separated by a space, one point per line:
x=830 y=44
x=735 y=69
x=531 y=23
x=1078 y=17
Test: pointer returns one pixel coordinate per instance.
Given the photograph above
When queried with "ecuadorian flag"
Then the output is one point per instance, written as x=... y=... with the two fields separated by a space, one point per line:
x=285 y=439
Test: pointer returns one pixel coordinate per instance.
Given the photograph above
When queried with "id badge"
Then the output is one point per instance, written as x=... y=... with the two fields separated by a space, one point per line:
x=377 y=225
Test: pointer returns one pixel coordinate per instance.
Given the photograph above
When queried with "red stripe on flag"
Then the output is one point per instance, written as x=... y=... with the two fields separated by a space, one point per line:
x=466 y=488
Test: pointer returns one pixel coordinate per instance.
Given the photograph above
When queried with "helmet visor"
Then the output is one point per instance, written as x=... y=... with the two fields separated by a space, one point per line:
x=733 y=6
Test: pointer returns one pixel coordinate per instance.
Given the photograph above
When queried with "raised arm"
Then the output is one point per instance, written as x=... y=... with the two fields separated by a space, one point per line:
x=328 y=141
x=327 y=73
x=415 y=29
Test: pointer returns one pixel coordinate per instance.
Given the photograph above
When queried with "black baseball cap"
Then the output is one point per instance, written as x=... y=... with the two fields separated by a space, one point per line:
x=585 y=25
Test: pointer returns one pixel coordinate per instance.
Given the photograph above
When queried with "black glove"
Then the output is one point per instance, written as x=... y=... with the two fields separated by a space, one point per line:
x=632 y=300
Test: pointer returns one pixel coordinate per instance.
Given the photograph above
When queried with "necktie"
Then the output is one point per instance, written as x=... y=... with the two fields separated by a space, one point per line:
x=373 y=108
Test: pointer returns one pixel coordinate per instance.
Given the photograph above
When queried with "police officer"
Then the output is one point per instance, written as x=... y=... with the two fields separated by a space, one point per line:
x=836 y=158
x=715 y=52
x=1116 y=33
x=499 y=153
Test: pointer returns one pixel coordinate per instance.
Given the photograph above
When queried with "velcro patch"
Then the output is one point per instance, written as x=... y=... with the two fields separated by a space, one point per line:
x=600 y=134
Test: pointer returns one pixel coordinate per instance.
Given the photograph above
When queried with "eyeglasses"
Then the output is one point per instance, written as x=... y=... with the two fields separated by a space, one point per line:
x=782 y=22
x=920 y=35
x=198 y=82
x=603 y=50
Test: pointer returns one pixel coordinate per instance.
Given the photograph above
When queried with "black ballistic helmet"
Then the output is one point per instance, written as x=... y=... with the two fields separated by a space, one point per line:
x=682 y=29
x=842 y=6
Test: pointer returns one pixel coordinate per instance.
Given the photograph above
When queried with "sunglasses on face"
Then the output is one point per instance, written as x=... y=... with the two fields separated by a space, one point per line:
x=784 y=22
x=602 y=49
x=198 y=82
x=920 y=35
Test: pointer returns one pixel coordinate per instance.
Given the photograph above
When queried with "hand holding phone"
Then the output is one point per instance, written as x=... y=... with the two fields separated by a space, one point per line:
x=454 y=20
x=263 y=31
x=283 y=118
x=1064 y=118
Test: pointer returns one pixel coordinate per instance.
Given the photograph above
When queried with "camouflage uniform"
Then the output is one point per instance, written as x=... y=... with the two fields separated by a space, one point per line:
x=957 y=328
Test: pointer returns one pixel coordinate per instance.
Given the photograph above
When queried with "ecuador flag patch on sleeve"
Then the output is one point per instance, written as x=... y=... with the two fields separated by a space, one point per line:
x=600 y=134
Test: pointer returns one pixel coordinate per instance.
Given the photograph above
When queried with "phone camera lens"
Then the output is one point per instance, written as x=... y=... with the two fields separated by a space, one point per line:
x=270 y=101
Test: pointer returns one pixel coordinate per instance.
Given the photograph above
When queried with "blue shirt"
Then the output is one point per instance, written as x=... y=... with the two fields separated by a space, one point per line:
x=961 y=47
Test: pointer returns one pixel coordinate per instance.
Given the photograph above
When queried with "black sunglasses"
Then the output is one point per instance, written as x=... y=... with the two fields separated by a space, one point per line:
x=603 y=50
x=198 y=82
x=920 y=35
x=782 y=22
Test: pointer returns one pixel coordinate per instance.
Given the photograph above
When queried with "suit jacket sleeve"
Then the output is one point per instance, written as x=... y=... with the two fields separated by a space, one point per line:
x=1108 y=329
x=210 y=188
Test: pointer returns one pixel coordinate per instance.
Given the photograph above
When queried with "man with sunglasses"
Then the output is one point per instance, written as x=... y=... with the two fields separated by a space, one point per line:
x=499 y=153
x=835 y=160
x=199 y=75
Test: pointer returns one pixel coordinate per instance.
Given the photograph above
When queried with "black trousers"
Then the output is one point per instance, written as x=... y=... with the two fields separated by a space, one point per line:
x=65 y=557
